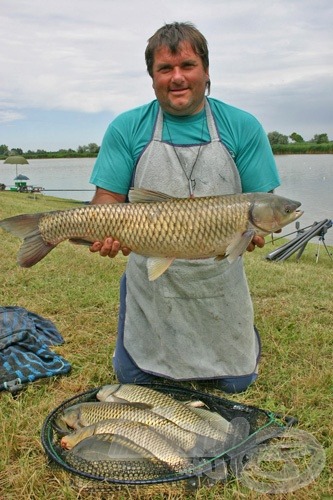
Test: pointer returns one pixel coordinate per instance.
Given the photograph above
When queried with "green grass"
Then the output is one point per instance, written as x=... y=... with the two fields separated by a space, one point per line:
x=78 y=291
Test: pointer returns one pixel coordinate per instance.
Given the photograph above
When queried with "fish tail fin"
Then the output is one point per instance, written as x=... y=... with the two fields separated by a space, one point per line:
x=26 y=227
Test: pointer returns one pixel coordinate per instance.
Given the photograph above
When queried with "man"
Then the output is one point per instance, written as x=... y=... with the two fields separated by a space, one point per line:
x=195 y=322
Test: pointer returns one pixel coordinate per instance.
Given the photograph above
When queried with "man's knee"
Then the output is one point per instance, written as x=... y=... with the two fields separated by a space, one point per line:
x=233 y=385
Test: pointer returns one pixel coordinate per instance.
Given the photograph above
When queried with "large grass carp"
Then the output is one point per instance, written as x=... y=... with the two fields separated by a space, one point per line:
x=158 y=226
x=167 y=407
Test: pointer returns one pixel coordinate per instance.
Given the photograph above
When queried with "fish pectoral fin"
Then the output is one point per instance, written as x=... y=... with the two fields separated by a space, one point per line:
x=80 y=241
x=157 y=266
x=220 y=257
x=140 y=195
x=195 y=404
x=111 y=398
x=238 y=245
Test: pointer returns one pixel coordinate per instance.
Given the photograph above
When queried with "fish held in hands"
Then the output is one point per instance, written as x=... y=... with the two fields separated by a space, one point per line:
x=157 y=226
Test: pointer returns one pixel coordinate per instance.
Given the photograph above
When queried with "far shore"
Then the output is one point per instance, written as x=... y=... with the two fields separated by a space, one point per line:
x=278 y=149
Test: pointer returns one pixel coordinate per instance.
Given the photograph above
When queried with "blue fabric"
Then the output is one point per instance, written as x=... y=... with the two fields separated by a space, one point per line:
x=129 y=373
x=25 y=356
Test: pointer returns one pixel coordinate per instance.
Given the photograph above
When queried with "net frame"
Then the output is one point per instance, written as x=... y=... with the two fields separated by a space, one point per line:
x=263 y=425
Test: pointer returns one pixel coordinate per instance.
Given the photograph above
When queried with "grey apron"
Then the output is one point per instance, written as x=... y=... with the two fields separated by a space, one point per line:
x=196 y=320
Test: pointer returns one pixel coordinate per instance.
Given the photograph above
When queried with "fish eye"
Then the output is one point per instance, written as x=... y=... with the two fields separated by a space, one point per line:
x=288 y=210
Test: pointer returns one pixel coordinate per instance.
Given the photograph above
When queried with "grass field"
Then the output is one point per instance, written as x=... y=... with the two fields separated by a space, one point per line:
x=78 y=291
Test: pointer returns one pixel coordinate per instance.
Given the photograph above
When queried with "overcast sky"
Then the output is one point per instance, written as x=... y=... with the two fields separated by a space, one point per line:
x=68 y=67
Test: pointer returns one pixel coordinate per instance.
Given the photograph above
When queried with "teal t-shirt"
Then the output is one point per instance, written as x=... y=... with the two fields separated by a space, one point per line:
x=130 y=132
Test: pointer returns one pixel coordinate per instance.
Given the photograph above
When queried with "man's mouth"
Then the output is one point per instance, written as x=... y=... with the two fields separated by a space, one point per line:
x=176 y=91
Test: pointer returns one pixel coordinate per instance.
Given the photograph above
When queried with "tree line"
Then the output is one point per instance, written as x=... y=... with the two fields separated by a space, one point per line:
x=293 y=143
x=91 y=149
x=278 y=138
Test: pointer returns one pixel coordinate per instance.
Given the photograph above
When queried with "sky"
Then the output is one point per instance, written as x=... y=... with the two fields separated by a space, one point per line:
x=68 y=67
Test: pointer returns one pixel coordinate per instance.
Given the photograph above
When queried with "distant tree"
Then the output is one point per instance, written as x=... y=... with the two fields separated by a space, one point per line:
x=64 y=151
x=296 y=137
x=320 y=138
x=277 y=138
x=4 y=150
x=16 y=151
x=93 y=148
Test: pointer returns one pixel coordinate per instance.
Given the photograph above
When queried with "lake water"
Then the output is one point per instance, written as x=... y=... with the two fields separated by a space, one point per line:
x=306 y=178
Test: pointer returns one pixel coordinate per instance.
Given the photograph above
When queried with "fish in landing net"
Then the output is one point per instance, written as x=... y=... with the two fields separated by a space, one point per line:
x=141 y=434
x=158 y=226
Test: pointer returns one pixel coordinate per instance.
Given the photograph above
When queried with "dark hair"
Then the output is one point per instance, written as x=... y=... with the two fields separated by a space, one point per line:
x=171 y=35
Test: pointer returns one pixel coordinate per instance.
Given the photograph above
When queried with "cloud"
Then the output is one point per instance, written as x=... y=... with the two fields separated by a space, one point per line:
x=272 y=58
x=10 y=116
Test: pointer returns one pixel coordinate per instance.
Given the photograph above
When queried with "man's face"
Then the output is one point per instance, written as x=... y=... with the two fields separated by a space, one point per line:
x=179 y=80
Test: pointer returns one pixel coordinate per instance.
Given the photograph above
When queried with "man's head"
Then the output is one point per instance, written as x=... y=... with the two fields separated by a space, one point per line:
x=171 y=35
x=178 y=62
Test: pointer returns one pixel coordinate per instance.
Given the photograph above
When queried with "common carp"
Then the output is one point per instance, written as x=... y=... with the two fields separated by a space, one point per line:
x=140 y=434
x=114 y=457
x=85 y=414
x=165 y=406
x=158 y=226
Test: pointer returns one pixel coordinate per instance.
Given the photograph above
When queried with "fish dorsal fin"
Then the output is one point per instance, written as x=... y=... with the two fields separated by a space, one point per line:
x=141 y=195
x=238 y=245
x=157 y=266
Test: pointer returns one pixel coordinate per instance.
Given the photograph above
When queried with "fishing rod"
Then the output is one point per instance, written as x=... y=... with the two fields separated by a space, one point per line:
x=298 y=230
x=300 y=242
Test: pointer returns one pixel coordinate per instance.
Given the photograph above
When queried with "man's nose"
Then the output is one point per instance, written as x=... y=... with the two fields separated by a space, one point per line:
x=177 y=75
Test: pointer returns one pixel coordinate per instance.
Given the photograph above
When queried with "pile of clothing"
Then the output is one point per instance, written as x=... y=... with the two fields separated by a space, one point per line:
x=25 y=355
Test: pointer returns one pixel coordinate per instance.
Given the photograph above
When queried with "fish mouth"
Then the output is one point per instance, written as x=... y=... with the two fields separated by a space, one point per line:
x=298 y=214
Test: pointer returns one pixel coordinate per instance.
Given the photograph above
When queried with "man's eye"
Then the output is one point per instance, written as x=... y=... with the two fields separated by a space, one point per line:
x=164 y=69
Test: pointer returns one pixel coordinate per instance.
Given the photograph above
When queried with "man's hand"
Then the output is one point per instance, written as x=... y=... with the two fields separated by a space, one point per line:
x=109 y=248
x=257 y=241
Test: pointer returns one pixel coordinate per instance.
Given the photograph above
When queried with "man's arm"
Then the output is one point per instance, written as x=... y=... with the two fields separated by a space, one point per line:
x=108 y=247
